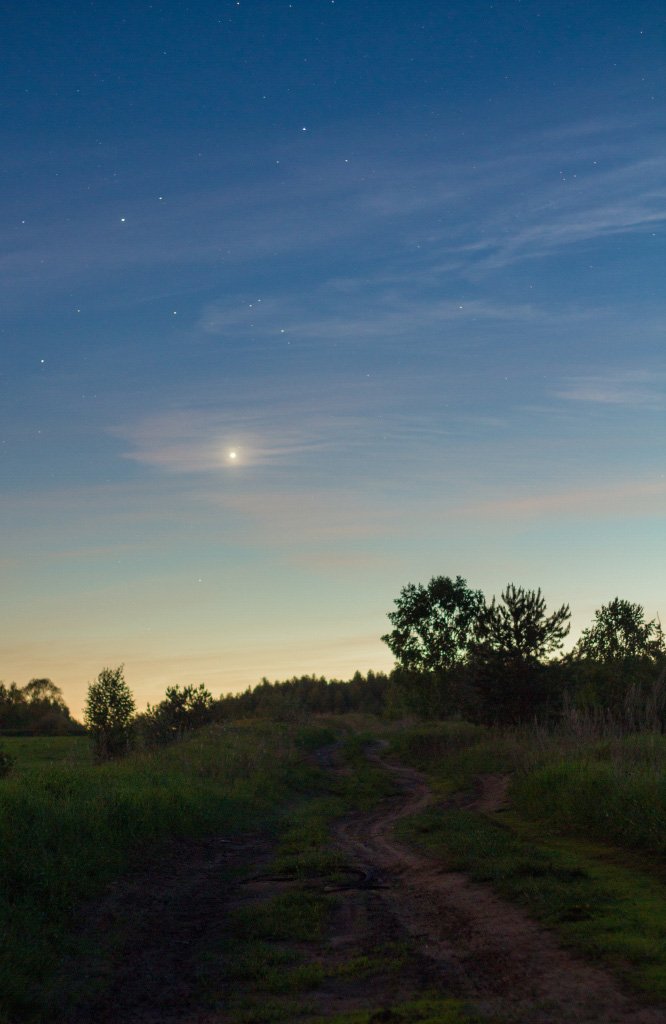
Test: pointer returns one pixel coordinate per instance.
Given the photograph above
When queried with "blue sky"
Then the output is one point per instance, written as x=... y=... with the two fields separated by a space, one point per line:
x=404 y=260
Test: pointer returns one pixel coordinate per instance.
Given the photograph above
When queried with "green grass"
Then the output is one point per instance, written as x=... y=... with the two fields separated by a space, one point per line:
x=609 y=911
x=35 y=752
x=602 y=789
x=68 y=827
x=625 y=804
x=428 y=1010
x=276 y=958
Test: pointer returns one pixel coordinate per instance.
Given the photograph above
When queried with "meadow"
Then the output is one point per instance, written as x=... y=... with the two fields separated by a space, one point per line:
x=68 y=827
x=580 y=844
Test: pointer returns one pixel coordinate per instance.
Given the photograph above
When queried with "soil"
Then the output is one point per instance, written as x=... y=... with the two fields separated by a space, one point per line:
x=435 y=929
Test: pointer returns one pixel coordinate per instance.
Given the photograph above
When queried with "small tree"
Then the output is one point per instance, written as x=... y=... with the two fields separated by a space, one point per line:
x=183 y=708
x=619 y=665
x=108 y=713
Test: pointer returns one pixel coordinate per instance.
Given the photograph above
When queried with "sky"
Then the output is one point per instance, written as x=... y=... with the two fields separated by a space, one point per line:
x=302 y=302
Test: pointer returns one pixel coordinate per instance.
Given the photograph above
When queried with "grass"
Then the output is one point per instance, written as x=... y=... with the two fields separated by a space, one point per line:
x=68 y=827
x=35 y=752
x=611 y=789
x=429 y=1010
x=277 y=957
x=569 y=849
x=580 y=849
x=625 y=804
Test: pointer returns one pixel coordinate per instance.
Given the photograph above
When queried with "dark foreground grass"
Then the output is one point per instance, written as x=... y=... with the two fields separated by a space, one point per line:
x=67 y=829
x=605 y=899
x=429 y=1010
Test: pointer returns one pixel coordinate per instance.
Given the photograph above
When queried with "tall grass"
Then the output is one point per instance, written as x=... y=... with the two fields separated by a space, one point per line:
x=65 y=831
x=584 y=777
x=613 y=790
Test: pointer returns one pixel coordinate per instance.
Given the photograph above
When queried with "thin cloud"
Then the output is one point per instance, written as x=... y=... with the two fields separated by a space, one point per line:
x=383 y=315
x=634 y=498
x=200 y=442
x=619 y=388
x=470 y=214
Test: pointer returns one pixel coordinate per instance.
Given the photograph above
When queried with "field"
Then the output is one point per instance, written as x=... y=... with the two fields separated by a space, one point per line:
x=336 y=870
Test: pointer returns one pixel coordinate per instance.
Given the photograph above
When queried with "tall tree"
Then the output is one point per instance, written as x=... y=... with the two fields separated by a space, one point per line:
x=43 y=690
x=514 y=636
x=434 y=625
x=620 y=631
x=518 y=628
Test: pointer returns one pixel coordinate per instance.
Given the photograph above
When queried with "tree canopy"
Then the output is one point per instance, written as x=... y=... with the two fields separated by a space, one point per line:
x=36 y=709
x=518 y=627
x=620 y=631
x=434 y=625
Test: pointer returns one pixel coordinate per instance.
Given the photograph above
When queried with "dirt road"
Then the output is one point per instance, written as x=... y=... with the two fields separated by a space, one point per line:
x=493 y=951
x=455 y=937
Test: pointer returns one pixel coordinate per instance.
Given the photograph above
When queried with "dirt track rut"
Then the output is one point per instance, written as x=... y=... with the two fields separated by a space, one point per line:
x=489 y=949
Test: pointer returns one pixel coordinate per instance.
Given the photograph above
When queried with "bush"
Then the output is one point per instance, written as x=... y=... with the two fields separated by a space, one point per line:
x=183 y=708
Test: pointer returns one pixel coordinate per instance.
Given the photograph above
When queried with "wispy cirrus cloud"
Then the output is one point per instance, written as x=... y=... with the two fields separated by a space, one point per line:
x=639 y=388
x=200 y=441
x=366 y=313
x=471 y=213
x=632 y=498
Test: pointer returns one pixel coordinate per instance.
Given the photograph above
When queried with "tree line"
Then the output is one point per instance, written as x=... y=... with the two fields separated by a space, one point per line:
x=499 y=662
x=494 y=662
x=456 y=654
x=36 y=709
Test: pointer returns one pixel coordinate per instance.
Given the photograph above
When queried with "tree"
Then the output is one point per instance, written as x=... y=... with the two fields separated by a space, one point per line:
x=514 y=637
x=620 y=632
x=43 y=690
x=518 y=629
x=434 y=625
x=108 y=713
x=35 y=709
